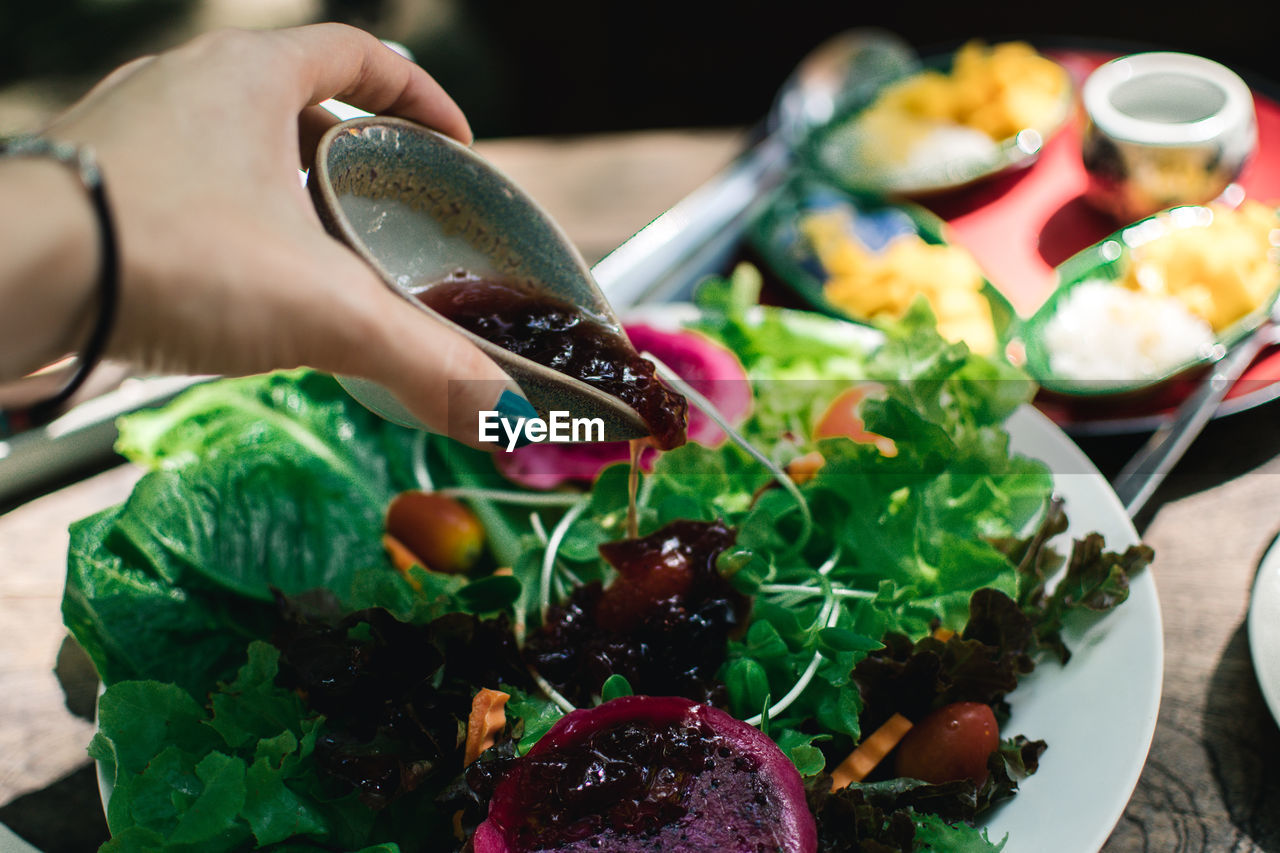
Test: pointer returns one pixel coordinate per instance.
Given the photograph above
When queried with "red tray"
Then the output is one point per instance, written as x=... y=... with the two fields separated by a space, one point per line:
x=1021 y=225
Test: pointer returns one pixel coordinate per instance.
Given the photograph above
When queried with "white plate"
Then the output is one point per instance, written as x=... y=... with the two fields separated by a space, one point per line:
x=1264 y=627
x=10 y=843
x=1098 y=713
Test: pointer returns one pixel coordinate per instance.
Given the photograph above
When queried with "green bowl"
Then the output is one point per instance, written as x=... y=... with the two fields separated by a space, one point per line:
x=774 y=236
x=831 y=151
x=1107 y=261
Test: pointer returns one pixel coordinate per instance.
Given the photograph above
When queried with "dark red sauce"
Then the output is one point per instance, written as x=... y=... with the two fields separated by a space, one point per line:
x=563 y=337
x=663 y=623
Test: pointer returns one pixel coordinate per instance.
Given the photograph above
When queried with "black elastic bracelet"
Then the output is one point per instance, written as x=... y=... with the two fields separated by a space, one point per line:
x=82 y=162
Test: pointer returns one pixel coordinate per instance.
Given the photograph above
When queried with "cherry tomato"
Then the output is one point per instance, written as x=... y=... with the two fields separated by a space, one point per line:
x=843 y=419
x=952 y=743
x=440 y=531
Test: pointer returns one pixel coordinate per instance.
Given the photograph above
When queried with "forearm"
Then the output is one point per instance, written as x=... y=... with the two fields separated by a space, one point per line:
x=48 y=258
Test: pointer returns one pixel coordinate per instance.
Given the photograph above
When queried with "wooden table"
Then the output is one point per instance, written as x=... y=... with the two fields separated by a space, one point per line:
x=1212 y=782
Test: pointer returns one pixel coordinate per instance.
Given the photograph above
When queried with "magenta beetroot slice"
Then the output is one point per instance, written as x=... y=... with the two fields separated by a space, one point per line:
x=712 y=370
x=645 y=773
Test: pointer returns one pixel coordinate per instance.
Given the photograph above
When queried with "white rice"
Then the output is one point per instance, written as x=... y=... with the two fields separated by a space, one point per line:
x=1105 y=332
x=950 y=147
x=913 y=153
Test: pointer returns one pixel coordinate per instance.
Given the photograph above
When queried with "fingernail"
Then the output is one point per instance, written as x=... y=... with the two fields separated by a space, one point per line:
x=515 y=411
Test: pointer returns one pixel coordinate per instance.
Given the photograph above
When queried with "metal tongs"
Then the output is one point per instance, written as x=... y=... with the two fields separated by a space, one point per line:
x=1143 y=474
x=659 y=262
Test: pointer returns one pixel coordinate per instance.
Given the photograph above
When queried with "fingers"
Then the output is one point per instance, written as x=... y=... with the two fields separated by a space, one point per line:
x=342 y=62
x=312 y=124
x=438 y=374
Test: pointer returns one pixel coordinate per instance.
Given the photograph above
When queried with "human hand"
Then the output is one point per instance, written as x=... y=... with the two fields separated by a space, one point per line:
x=225 y=266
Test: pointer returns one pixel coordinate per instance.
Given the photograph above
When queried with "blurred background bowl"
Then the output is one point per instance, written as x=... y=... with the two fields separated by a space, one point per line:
x=1162 y=129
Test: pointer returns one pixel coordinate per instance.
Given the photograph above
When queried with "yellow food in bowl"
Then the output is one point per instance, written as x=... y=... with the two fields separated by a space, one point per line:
x=1221 y=271
x=998 y=90
x=882 y=285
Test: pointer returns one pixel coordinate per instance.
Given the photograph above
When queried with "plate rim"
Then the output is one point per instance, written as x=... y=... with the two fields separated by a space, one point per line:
x=1265 y=590
x=1143 y=604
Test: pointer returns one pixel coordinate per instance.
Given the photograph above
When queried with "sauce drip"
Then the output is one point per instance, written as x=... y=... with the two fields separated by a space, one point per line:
x=565 y=338
x=633 y=483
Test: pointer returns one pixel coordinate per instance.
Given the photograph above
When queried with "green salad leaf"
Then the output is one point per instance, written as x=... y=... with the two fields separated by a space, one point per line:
x=934 y=834
x=184 y=777
x=257 y=486
x=134 y=624
x=908 y=536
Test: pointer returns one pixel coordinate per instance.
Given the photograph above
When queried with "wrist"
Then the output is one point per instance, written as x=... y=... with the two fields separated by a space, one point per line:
x=50 y=264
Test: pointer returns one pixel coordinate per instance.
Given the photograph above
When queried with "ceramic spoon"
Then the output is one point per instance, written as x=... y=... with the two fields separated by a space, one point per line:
x=417 y=206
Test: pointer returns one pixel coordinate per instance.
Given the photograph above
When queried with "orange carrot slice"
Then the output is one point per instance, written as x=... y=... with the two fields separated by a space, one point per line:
x=402 y=558
x=870 y=752
x=488 y=719
x=802 y=469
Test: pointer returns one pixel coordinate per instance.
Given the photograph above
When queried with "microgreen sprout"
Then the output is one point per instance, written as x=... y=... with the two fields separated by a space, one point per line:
x=420 y=471
x=828 y=616
x=709 y=409
x=809 y=591
x=550 y=499
x=554 y=695
x=539 y=529
x=553 y=547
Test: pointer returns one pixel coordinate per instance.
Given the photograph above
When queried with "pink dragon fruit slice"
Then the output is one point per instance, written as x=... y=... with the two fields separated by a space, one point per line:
x=645 y=773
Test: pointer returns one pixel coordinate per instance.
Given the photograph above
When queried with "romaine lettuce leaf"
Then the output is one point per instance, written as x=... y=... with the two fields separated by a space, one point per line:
x=261 y=485
x=135 y=624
